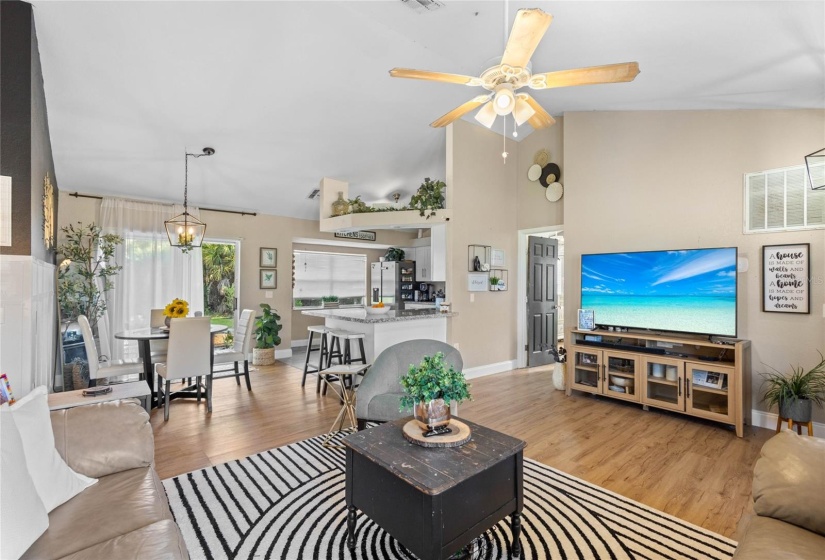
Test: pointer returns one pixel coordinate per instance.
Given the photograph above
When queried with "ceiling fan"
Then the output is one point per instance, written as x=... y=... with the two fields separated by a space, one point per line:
x=514 y=72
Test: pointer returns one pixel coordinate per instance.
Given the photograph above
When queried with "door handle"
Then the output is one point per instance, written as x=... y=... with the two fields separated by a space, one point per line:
x=687 y=389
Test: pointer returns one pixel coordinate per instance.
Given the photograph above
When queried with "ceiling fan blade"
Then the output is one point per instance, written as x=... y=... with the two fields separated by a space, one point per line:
x=607 y=74
x=541 y=118
x=460 y=111
x=528 y=29
x=434 y=76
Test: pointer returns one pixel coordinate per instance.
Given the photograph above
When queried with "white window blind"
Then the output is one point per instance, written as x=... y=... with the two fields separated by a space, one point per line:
x=782 y=200
x=317 y=275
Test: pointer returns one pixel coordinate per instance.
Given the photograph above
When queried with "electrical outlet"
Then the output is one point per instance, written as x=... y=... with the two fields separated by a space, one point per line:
x=268 y=294
x=456 y=346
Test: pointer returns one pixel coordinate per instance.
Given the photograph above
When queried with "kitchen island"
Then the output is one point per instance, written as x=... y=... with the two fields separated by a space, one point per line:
x=382 y=331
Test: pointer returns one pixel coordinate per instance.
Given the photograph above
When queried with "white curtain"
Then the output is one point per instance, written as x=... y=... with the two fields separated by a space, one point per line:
x=154 y=273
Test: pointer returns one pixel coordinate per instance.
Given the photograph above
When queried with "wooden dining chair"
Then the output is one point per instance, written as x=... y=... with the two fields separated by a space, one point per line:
x=241 y=348
x=188 y=356
x=98 y=369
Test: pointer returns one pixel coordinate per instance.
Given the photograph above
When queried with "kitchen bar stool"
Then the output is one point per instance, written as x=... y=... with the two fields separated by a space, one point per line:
x=322 y=350
x=344 y=354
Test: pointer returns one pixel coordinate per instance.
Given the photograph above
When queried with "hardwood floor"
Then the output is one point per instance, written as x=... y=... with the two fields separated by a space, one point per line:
x=697 y=471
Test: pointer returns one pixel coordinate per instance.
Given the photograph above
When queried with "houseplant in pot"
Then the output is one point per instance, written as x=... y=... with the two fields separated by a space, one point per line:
x=428 y=198
x=429 y=389
x=266 y=336
x=330 y=302
x=795 y=394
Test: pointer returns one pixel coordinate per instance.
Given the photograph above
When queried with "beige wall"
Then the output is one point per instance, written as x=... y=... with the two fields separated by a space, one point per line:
x=674 y=180
x=534 y=210
x=254 y=232
x=484 y=201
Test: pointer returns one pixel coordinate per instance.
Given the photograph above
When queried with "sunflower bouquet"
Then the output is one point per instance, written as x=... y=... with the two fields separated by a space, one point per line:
x=178 y=308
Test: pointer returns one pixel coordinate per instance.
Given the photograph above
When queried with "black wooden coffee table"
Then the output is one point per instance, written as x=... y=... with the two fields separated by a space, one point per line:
x=434 y=501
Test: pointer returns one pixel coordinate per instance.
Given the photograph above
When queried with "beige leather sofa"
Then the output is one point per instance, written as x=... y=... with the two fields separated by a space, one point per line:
x=789 y=501
x=125 y=514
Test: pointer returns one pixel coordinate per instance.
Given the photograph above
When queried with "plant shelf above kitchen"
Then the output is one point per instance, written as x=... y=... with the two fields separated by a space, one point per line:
x=384 y=220
x=334 y=200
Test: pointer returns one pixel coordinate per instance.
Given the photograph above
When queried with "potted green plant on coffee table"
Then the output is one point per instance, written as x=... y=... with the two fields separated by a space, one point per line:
x=266 y=336
x=795 y=394
x=429 y=389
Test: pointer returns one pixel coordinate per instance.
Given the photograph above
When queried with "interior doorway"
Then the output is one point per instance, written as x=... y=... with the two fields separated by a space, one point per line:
x=221 y=284
x=555 y=233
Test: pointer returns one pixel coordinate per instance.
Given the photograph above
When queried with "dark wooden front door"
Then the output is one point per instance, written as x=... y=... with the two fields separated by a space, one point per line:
x=542 y=300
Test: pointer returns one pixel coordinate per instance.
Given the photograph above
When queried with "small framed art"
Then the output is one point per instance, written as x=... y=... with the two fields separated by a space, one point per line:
x=269 y=257
x=269 y=279
x=587 y=320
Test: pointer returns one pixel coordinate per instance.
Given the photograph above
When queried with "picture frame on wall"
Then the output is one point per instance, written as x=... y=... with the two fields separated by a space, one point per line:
x=477 y=282
x=786 y=273
x=269 y=257
x=269 y=279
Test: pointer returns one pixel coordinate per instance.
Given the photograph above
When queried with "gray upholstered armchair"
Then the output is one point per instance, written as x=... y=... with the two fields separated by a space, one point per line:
x=378 y=398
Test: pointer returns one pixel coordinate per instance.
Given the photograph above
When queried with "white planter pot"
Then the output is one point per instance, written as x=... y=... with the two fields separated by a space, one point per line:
x=263 y=356
x=558 y=376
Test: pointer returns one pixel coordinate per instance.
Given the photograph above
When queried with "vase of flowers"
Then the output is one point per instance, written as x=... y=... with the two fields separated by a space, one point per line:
x=175 y=310
x=429 y=389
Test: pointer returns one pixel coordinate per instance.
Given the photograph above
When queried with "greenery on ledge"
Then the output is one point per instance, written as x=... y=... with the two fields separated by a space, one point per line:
x=428 y=199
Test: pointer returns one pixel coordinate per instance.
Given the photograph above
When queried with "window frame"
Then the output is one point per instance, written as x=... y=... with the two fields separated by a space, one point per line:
x=343 y=306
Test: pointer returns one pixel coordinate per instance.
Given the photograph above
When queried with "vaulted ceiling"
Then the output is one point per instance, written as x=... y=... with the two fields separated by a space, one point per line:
x=289 y=92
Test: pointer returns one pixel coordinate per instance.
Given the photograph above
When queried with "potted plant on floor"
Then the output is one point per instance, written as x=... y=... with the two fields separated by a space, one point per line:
x=266 y=336
x=795 y=394
x=429 y=389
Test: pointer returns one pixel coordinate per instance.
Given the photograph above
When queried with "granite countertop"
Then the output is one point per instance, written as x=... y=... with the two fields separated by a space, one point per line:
x=359 y=315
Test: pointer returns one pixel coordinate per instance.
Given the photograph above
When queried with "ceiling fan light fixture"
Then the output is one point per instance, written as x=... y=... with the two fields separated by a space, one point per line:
x=504 y=100
x=522 y=111
x=486 y=115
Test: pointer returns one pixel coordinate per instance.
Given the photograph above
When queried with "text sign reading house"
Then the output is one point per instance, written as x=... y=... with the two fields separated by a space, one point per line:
x=360 y=235
x=785 y=278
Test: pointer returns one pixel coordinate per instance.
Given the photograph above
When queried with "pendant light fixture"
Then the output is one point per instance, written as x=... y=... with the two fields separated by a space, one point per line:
x=185 y=230
x=815 y=164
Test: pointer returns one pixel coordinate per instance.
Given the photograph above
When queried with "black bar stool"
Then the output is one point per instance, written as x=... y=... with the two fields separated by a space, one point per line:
x=322 y=350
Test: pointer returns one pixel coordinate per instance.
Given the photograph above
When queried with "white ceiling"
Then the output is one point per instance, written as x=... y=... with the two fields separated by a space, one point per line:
x=288 y=92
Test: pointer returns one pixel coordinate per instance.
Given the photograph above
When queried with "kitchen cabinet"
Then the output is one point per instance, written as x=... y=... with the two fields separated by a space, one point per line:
x=423 y=264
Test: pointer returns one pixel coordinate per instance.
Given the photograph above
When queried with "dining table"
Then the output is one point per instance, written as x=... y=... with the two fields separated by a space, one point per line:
x=144 y=337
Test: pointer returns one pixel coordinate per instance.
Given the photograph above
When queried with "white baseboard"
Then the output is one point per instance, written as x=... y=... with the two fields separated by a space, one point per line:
x=489 y=369
x=280 y=354
x=298 y=343
x=762 y=419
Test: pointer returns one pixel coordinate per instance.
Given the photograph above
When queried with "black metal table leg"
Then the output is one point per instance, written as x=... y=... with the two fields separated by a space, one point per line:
x=145 y=349
x=351 y=512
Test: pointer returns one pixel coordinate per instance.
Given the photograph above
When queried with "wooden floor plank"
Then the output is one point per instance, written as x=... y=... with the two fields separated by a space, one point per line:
x=698 y=471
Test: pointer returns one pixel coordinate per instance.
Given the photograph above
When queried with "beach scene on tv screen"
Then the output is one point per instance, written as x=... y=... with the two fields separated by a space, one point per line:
x=688 y=291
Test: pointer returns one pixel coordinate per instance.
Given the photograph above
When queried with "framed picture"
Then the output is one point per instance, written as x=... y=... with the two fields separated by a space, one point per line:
x=269 y=257
x=786 y=278
x=497 y=257
x=269 y=279
x=477 y=282
x=709 y=378
x=5 y=390
x=587 y=320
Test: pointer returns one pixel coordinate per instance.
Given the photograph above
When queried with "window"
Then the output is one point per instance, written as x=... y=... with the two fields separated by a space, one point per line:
x=782 y=200
x=321 y=275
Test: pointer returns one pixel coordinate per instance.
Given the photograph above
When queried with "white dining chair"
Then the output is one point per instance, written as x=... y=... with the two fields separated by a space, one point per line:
x=159 y=347
x=106 y=369
x=241 y=348
x=189 y=355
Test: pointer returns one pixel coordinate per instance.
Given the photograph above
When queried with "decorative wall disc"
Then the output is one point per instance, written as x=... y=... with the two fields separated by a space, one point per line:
x=541 y=157
x=554 y=192
x=534 y=172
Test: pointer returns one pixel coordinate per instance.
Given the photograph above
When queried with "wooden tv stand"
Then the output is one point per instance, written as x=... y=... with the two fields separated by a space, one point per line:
x=693 y=376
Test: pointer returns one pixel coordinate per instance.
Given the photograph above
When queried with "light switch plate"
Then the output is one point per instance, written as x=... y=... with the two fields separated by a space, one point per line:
x=472 y=298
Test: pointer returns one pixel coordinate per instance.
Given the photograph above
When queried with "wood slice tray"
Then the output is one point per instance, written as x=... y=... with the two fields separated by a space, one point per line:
x=460 y=435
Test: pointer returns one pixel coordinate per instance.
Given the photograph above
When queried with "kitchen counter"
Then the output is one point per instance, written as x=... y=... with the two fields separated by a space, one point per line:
x=382 y=331
x=359 y=315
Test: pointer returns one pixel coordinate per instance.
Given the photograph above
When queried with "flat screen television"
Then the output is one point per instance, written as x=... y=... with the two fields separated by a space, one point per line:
x=690 y=291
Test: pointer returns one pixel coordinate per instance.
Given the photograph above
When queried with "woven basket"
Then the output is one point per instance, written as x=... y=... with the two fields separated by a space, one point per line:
x=263 y=356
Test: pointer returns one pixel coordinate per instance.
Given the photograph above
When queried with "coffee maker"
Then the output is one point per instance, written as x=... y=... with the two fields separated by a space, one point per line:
x=425 y=292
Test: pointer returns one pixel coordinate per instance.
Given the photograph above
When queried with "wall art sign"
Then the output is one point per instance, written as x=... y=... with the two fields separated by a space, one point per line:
x=269 y=279
x=477 y=283
x=786 y=278
x=360 y=235
x=269 y=257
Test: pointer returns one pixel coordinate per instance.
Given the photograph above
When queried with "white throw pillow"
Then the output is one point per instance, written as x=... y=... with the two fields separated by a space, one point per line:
x=54 y=480
x=23 y=517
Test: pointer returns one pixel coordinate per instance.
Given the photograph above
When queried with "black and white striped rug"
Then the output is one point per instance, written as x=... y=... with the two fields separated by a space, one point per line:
x=288 y=503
